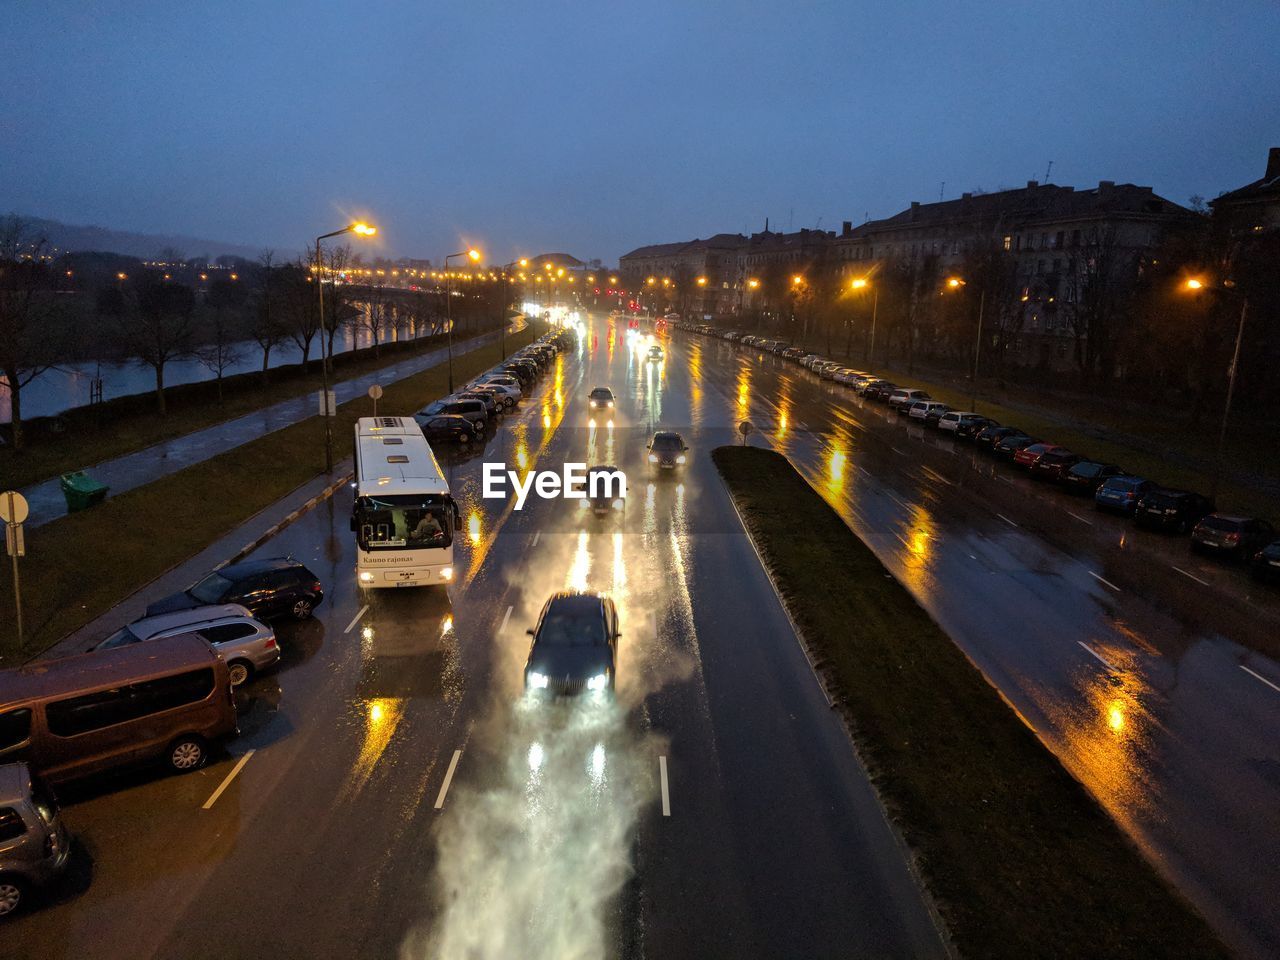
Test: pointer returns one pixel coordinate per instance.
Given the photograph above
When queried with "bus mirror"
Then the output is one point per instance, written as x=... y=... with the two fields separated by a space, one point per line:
x=457 y=514
x=529 y=631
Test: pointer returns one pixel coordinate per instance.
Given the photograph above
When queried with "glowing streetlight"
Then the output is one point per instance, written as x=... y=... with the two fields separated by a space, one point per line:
x=1194 y=283
x=797 y=280
x=363 y=229
x=1226 y=287
x=702 y=281
x=753 y=283
x=524 y=261
x=954 y=283
x=474 y=255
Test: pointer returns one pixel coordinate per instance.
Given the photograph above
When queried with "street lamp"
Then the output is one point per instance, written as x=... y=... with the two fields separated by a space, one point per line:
x=861 y=283
x=955 y=283
x=363 y=230
x=1195 y=285
x=473 y=255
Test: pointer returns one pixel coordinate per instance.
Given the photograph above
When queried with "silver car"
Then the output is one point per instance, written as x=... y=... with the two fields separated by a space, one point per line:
x=247 y=645
x=33 y=842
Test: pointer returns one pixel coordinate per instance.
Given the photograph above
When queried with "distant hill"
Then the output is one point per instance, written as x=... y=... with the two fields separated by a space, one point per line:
x=67 y=238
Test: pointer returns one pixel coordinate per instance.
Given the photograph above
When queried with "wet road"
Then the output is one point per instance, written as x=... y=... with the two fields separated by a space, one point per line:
x=402 y=800
x=1149 y=671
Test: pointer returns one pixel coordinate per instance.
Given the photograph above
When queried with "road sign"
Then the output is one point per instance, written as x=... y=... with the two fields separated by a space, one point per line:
x=376 y=392
x=14 y=543
x=13 y=507
x=332 y=405
x=745 y=429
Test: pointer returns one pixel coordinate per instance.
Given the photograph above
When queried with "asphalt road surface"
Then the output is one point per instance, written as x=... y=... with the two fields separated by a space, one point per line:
x=392 y=794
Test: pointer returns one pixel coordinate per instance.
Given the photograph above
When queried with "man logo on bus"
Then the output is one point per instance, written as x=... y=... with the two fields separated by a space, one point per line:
x=573 y=482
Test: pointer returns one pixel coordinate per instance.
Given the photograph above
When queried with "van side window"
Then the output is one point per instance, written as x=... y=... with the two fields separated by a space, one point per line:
x=93 y=711
x=225 y=632
x=15 y=727
x=11 y=825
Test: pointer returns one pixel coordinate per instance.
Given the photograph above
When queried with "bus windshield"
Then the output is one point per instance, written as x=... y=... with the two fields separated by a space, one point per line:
x=404 y=521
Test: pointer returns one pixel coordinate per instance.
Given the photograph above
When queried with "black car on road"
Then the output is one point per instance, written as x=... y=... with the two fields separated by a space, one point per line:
x=1166 y=509
x=1237 y=538
x=271 y=589
x=1086 y=476
x=575 y=646
x=448 y=427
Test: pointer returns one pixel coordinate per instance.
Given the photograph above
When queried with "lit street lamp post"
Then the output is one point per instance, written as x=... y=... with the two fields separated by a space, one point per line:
x=474 y=256
x=956 y=283
x=861 y=283
x=364 y=230
x=1228 y=286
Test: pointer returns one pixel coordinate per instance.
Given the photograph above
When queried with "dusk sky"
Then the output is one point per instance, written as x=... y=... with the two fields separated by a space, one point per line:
x=595 y=128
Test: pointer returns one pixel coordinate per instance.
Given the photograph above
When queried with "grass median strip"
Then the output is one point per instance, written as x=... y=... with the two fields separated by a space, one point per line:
x=1022 y=861
x=79 y=566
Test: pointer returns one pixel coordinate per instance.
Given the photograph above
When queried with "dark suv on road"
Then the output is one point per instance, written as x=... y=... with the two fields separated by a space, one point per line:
x=1164 y=509
x=271 y=589
x=575 y=645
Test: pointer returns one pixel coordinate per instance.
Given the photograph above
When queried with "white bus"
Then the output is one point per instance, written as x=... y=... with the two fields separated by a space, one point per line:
x=403 y=517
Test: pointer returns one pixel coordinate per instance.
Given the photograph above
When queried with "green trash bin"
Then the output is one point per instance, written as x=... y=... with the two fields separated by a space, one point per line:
x=82 y=491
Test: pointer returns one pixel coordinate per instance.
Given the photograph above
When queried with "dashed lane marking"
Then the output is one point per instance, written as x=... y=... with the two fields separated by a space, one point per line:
x=213 y=797
x=1258 y=676
x=1204 y=583
x=1104 y=580
x=1096 y=655
x=356 y=619
x=448 y=779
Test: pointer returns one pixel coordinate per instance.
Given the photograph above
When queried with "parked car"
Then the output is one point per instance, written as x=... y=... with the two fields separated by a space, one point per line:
x=249 y=646
x=1266 y=565
x=506 y=394
x=1086 y=476
x=1237 y=538
x=880 y=390
x=927 y=411
x=1166 y=509
x=1010 y=444
x=488 y=398
x=991 y=435
x=971 y=424
x=1054 y=464
x=473 y=410
x=574 y=648
x=667 y=450
x=600 y=398
x=1121 y=494
x=793 y=353
x=447 y=427
x=271 y=588
x=903 y=397
x=1026 y=457
x=34 y=845
x=69 y=717
x=949 y=422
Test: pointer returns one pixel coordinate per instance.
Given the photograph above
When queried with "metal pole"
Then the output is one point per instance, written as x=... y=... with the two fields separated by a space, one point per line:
x=324 y=364
x=17 y=584
x=448 y=312
x=977 y=350
x=502 y=313
x=875 y=307
x=1226 y=409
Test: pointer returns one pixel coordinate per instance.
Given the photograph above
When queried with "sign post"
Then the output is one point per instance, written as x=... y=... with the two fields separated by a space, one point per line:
x=375 y=392
x=13 y=511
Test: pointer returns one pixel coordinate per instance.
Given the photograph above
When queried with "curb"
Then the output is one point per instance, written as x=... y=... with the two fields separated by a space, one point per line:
x=275 y=528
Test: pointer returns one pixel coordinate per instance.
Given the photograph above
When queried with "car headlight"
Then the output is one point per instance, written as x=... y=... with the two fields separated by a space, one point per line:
x=537 y=681
x=446 y=573
x=681 y=458
x=598 y=682
x=366 y=577
x=583 y=504
x=611 y=403
x=653 y=458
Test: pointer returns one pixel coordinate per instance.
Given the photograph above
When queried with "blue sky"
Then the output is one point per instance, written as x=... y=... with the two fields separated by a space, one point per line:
x=594 y=128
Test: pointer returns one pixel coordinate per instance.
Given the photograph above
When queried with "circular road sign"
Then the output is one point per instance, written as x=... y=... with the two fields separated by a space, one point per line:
x=13 y=507
x=376 y=392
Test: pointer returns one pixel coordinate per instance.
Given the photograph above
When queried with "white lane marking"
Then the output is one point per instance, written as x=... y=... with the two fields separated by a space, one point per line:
x=356 y=619
x=1094 y=653
x=1259 y=676
x=1006 y=519
x=1104 y=580
x=213 y=797
x=897 y=451
x=506 y=618
x=801 y=425
x=536 y=535
x=666 y=793
x=448 y=779
x=1192 y=576
x=937 y=476
x=1080 y=518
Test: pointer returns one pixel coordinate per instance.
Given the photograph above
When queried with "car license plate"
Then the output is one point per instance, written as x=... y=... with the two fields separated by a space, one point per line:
x=404 y=578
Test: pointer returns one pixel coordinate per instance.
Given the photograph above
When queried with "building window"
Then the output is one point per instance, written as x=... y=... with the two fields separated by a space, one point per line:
x=1008 y=243
x=1075 y=238
x=1058 y=239
x=1039 y=266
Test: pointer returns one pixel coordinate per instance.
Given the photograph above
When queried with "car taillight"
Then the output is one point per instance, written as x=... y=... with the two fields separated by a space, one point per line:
x=315 y=587
x=1233 y=537
x=271 y=643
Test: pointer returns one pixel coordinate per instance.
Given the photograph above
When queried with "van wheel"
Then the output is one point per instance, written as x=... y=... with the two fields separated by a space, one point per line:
x=301 y=608
x=13 y=892
x=240 y=672
x=187 y=753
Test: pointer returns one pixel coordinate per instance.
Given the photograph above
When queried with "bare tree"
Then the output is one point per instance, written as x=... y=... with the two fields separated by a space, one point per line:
x=156 y=327
x=266 y=324
x=298 y=302
x=27 y=307
x=222 y=349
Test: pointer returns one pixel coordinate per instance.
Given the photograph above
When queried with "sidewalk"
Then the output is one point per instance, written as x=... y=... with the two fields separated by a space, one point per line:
x=135 y=469
x=236 y=544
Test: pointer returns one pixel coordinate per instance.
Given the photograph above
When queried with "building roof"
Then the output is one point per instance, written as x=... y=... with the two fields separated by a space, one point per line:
x=1267 y=187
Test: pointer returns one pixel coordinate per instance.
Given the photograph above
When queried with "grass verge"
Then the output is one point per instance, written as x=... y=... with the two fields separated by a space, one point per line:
x=79 y=566
x=1022 y=861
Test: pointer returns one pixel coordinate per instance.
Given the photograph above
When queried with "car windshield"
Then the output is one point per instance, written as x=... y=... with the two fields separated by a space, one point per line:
x=563 y=629
x=1221 y=524
x=601 y=393
x=401 y=521
x=211 y=589
x=667 y=441
x=1087 y=469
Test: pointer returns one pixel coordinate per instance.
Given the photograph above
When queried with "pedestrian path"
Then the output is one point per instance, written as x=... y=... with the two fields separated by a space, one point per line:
x=143 y=466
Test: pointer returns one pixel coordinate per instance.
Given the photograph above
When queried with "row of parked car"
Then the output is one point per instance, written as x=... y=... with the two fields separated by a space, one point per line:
x=1250 y=540
x=465 y=415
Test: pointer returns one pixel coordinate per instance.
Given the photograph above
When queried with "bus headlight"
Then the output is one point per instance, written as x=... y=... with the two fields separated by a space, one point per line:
x=537 y=681
x=617 y=504
x=681 y=458
x=446 y=573
x=653 y=458
x=366 y=576
x=598 y=682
